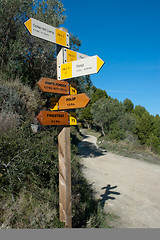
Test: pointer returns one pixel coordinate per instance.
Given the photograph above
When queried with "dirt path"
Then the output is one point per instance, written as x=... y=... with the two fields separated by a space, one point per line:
x=126 y=187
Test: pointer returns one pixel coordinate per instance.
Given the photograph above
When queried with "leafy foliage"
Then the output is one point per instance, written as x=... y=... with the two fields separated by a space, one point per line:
x=22 y=54
x=128 y=105
x=86 y=114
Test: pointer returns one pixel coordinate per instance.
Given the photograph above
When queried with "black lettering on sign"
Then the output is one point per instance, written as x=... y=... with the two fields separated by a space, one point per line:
x=49 y=83
x=65 y=68
x=70 y=104
x=36 y=26
x=71 y=55
x=61 y=84
x=80 y=65
x=70 y=98
x=55 y=115
x=60 y=35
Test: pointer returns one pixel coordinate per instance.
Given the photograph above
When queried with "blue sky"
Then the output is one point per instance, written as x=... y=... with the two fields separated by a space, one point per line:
x=126 y=36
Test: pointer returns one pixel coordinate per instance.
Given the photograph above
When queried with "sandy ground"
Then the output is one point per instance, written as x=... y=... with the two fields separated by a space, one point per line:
x=126 y=187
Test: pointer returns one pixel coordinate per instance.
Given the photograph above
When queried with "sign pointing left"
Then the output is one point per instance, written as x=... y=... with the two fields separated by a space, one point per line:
x=56 y=118
x=53 y=86
x=47 y=32
x=53 y=118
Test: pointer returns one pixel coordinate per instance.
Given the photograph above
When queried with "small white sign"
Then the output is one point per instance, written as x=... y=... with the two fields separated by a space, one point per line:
x=70 y=55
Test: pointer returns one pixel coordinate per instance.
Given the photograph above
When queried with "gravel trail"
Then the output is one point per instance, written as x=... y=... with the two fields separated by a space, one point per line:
x=126 y=187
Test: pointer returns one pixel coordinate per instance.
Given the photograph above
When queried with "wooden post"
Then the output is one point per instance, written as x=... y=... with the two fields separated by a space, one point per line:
x=64 y=151
x=64 y=176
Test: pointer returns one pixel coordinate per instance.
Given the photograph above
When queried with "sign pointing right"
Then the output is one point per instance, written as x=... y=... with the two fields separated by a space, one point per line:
x=86 y=66
x=73 y=101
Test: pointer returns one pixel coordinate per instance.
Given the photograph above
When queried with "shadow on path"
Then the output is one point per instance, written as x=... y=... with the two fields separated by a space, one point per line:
x=88 y=149
x=107 y=194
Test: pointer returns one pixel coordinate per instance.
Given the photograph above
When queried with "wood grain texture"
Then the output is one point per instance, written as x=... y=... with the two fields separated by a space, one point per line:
x=64 y=176
x=64 y=151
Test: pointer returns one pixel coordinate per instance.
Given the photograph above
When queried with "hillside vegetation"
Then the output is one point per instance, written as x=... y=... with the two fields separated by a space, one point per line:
x=29 y=168
x=29 y=171
x=121 y=121
x=28 y=152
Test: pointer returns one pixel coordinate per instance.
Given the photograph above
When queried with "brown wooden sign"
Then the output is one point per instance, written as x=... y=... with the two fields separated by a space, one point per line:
x=73 y=101
x=53 y=86
x=53 y=118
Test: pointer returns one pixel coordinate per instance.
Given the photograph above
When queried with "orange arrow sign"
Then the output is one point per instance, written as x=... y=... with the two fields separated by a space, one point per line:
x=53 y=118
x=53 y=86
x=73 y=101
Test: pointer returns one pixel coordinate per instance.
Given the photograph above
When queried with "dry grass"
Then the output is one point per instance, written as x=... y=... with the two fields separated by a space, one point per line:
x=8 y=121
x=28 y=212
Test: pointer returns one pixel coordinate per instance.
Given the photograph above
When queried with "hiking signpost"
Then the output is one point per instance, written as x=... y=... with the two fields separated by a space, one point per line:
x=70 y=55
x=70 y=64
x=53 y=86
x=82 y=67
x=47 y=32
x=73 y=101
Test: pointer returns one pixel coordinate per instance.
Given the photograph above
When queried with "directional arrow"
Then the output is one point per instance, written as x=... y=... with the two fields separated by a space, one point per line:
x=47 y=32
x=73 y=101
x=57 y=118
x=53 y=118
x=53 y=86
x=86 y=66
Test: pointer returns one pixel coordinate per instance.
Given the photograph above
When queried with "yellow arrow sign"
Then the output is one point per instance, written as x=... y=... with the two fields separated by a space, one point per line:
x=47 y=32
x=86 y=66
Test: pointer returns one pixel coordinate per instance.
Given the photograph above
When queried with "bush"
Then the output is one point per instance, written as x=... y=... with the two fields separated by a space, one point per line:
x=9 y=121
x=29 y=211
x=29 y=178
x=16 y=97
x=28 y=158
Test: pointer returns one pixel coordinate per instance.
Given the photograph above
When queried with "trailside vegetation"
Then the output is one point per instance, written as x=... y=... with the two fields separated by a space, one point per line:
x=28 y=151
x=122 y=121
x=29 y=171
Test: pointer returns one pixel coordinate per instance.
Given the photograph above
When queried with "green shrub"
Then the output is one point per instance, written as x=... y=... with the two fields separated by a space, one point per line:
x=29 y=174
x=16 y=97
x=28 y=158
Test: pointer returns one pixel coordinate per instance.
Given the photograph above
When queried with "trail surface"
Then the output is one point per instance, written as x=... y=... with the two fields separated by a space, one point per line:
x=126 y=187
